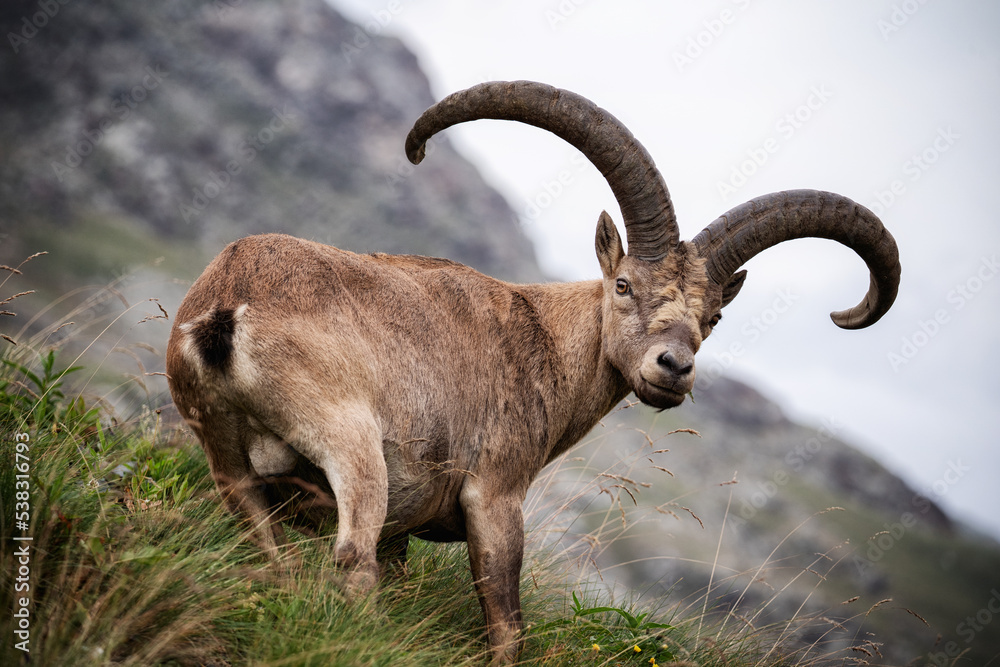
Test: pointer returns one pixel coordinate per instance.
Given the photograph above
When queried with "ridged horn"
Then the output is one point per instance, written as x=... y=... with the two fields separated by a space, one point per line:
x=732 y=239
x=650 y=224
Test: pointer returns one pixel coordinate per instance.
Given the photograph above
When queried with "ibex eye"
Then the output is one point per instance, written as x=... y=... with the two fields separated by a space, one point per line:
x=622 y=287
x=715 y=319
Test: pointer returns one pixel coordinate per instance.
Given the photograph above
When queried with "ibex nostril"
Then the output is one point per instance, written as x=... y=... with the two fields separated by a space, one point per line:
x=670 y=362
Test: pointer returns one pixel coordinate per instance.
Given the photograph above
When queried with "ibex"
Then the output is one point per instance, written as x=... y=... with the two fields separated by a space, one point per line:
x=430 y=395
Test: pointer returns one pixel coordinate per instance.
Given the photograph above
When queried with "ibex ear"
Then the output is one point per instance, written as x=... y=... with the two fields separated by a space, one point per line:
x=608 y=244
x=733 y=287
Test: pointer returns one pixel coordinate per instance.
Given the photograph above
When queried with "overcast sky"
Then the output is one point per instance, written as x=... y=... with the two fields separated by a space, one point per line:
x=891 y=102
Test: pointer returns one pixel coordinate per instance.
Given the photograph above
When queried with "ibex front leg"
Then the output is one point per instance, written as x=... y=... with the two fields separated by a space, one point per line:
x=495 y=533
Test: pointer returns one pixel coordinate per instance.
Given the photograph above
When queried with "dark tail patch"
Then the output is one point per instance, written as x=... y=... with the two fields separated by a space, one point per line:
x=212 y=336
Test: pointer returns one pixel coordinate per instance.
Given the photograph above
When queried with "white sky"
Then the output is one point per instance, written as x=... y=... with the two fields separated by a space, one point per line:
x=904 y=96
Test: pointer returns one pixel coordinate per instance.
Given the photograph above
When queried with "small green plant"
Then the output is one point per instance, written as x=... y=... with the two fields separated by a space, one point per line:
x=42 y=405
x=617 y=632
x=155 y=475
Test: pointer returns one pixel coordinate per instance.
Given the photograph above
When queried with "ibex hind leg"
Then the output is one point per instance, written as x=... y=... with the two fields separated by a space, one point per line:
x=227 y=440
x=347 y=446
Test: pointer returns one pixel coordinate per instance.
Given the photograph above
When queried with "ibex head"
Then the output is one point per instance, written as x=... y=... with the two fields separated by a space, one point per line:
x=663 y=297
x=656 y=314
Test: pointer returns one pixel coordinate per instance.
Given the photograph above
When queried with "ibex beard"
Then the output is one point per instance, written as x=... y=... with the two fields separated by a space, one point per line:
x=419 y=397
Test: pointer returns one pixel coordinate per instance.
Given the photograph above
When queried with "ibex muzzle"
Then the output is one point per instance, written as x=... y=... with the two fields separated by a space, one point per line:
x=424 y=397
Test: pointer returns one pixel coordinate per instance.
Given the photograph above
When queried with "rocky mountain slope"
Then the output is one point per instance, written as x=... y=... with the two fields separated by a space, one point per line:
x=131 y=132
x=201 y=122
x=778 y=520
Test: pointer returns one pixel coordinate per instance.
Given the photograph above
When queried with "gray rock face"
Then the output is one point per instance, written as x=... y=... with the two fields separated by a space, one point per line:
x=204 y=122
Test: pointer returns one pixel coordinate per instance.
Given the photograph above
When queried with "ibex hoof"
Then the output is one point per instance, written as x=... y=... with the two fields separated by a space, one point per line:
x=360 y=580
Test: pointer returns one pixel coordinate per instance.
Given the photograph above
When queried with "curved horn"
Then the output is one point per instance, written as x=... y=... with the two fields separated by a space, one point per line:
x=732 y=239
x=650 y=224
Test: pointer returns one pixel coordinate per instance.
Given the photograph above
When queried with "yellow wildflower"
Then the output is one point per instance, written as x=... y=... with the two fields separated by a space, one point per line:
x=596 y=647
x=637 y=649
